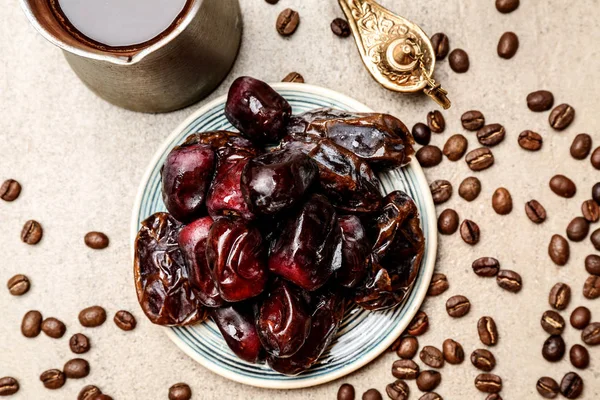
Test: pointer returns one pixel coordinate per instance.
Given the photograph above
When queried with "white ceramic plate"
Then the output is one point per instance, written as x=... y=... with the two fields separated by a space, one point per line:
x=363 y=335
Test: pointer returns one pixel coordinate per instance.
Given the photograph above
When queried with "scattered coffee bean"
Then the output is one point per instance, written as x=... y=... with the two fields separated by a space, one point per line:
x=563 y=186
x=560 y=296
x=486 y=266
x=53 y=379
x=488 y=333
x=595 y=159
x=541 y=100
x=488 y=383
x=32 y=232
x=428 y=380
x=54 y=328
x=18 y=285
x=559 y=250
x=469 y=231
x=578 y=229
x=553 y=322
x=491 y=135
x=79 y=343
x=530 y=140
x=509 y=280
x=92 y=317
x=480 y=159
x=441 y=191
x=554 y=348
x=441 y=45
x=502 y=201
x=453 y=352
x=458 y=306
x=472 y=120
x=287 y=22
x=581 y=146
x=89 y=392
x=421 y=133
x=372 y=394
x=535 y=211
x=408 y=346
x=595 y=239
x=340 y=27
x=31 y=326
x=431 y=396
x=76 y=368
x=596 y=192
x=436 y=121
x=398 y=390
x=418 y=325
x=439 y=284
x=432 y=356
x=571 y=385
x=293 y=77
x=272 y=1
x=459 y=61
x=346 y=392
x=579 y=356
x=483 y=359
x=591 y=334
x=405 y=369
x=592 y=264
x=508 y=45
x=125 y=320
x=429 y=156
x=591 y=287
x=469 y=188
x=10 y=190
x=8 y=386
x=580 y=317
x=455 y=147
x=180 y=391
x=493 y=396
x=507 y=6
x=590 y=210
x=448 y=222
x=561 y=117
x=547 y=387
x=102 y=397
x=96 y=240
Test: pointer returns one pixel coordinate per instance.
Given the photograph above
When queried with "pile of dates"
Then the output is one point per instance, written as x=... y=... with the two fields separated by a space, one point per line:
x=273 y=230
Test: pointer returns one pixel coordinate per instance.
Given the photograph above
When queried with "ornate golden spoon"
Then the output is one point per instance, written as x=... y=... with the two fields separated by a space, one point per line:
x=396 y=51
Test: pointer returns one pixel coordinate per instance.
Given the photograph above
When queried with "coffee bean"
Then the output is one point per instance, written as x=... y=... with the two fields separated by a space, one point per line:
x=571 y=385
x=595 y=239
x=486 y=266
x=441 y=191
x=125 y=320
x=18 y=285
x=398 y=390
x=436 y=121
x=561 y=117
x=441 y=45
x=469 y=231
x=8 y=386
x=272 y=1
x=581 y=146
x=591 y=287
x=102 y=397
x=92 y=317
x=580 y=317
x=553 y=322
x=407 y=347
x=432 y=356
x=455 y=147
x=508 y=45
x=448 y=222
x=535 y=211
x=578 y=229
x=346 y=392
x=596 y=192
x=592 y=264
x=458 y=306
x=480 y=159
x=560 y=296
x=76 y=368
x=32 y=232
x=293 y=77
x=554 y=348
x=509 y=280
x=590 y=210
x=493 y=396
x=418 y=325
x=372 y=394
x=405 y=369
x=491 y=135
x=459 y=61
x=579 y=356
x=547 y=387
x=439 y=284
x=502 y=201
x=488 y=383
x=563 y=186
x=469 y=188
x=483 y=359
x=340 y=27
x=530 y=140
x=429 y=156
x=31 y=326
x=595 y=159
x=421 y=133
x=428 y=380
x=96 y=240
x=507 y=6
x=89 y=392
x=591 y=334
x=541 y=100
x=79 y=343
x=54 y=328
x=53 y=379
x=287 y=22
x=488 y=333
x=180 y=391
x=453 y=352
x=472 y=120
x=559 y=250
x=10 y=190
x=431 y=396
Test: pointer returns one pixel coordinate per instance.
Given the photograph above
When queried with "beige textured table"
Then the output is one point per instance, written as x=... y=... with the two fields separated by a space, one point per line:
x=80 y=161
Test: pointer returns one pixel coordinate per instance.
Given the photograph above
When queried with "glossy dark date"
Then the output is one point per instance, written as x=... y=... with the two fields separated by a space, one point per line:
x=356 y=252
x=223 y=143
x=237 y=325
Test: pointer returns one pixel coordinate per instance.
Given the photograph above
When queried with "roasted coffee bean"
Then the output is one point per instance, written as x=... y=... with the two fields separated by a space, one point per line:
x=428 y=380
x=560 y=296
x=436 y=121
x=455 y=147
x=596 y=192
x=491 y=135
x=54 y=328
x=346 y=392
x=530 y=140
x=561 y=117
x=448 y=222
x=469 y=231
x=591 y=334
x=18 y=285
x=398 y=390
x=507 y=6
x=441 y=45
x=439 y=284
x=581 y=146
x=272 y=1
x=541 y=100
x=580 y=317
x=421 y=133
x=76 y=368
x=508 y=45
x=595 y=159
x=472 y=120
x=509 y=280
x=535 y=211
x=432 y=357
x=553 y=322
x=92 y=317
x=493 y=396
x=563 y=186
x=405 y=369
x=418 y=325
x=431 y=396
x=488 y=333
x=488 y=383
x=441 y=191
x=8 y=386
x=102 y=397
x=287 y=22
x=453 y=352
x=429 y=156
x=595 y=239
x=180 y=391
x=592 y=264
x=293 y=77
x=10 y=190
x=469 y=188
x=590 y=210
x=31 y=326
x=53 y=379
x=483 y=359
x=547 y=387
x=459 y=61
x=578 y=229
x=554 y=348
x=571 y=385
x=32 y=232
x=486 y=266
x=579 y=356
x=591 y=287
x=79 y=343
x=502 y=201
x=407 y=347
x=89 y=392
x=458 y=306
x=124 y=320
x=372 y=394
x=559 y=250
x=480 y=159
x=340 y=27
x=96 y=240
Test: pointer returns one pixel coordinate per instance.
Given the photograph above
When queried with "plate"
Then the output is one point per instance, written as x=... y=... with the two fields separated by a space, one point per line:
x=363 y=335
